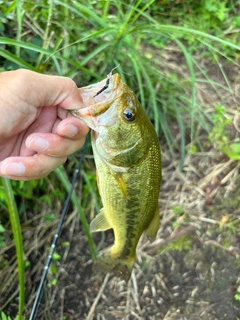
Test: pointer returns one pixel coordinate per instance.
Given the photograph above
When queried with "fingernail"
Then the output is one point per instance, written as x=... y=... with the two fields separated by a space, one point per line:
x=70 y=130
x=38 y=143
x=14 y=169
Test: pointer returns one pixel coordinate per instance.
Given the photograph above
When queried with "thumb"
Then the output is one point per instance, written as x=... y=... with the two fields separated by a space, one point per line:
x=48 y=90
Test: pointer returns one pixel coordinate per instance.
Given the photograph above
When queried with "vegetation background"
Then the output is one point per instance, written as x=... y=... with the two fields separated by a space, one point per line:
x=181 y=58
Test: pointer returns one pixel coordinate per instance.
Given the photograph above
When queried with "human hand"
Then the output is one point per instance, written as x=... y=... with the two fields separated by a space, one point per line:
x=36 y=134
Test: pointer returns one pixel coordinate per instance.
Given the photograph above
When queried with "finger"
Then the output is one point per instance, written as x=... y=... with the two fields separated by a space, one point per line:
x=72 y=128
x=61 y=91
x=29 y=168
x=23 y=94
x=53 y=145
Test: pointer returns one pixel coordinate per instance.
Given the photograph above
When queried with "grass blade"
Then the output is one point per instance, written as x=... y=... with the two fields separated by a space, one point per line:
x=84 y=12
x=182 y=135
x=12 y=57
x=46 y=37
x=176 y=30
x=139 y=80
x=67 y=185
x=48 y=53
x=193 y=83
x=95 y=52
x=20 y=14
x=17 y=235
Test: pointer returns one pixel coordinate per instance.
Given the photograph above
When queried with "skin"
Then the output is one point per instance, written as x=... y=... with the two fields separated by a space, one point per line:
x=37 y=132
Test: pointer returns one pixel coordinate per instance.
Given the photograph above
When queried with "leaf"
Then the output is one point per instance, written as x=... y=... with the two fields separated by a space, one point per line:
x=232 y=151
x=4 y=317
x=2 y=228
x=56 y=256
x=237 y=297
x=235 y=147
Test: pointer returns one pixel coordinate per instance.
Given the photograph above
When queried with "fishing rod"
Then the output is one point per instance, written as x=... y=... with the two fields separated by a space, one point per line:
x=57 y=234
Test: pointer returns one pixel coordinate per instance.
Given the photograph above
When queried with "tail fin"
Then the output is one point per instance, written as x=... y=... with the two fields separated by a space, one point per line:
x=120 y=267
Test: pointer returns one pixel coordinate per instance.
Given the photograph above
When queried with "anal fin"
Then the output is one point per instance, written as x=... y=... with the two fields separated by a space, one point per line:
x=153 y=227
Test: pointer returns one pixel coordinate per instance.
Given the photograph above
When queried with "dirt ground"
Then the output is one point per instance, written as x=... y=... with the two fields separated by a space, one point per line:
x=191 y=271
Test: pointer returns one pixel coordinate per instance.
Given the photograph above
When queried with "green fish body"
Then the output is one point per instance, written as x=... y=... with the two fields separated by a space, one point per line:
x=127 y=156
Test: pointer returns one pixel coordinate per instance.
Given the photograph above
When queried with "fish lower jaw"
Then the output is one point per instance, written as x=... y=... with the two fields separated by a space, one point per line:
x=75 y=113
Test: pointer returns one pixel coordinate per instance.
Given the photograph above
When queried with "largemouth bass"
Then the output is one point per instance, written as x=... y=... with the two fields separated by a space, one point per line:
x=127 y=156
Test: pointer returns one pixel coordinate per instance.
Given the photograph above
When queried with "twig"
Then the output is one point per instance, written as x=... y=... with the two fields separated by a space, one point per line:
x=153 y=247
x=135 y=291
x=94 y=305
x=215 y=172
x=62 y=302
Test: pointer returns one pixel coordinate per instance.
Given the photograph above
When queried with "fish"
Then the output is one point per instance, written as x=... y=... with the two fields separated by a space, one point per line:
x=128 y=167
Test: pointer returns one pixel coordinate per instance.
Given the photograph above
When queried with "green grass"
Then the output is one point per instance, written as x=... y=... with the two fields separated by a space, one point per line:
x=67 y=185
x=17 y=236
x=86 y=40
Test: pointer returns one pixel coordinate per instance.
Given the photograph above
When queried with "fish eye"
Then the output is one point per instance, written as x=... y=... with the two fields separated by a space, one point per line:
x=128 y=115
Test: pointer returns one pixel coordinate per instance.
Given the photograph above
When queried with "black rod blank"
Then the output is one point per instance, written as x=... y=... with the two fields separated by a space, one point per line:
x=56 y=236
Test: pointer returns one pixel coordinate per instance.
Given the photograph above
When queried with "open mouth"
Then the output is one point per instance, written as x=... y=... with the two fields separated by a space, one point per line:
x=98 y=97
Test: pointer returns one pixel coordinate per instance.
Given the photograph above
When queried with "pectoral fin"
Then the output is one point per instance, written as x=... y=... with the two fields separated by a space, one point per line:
x=121 y=183
x=99 y=223
x=152 y=229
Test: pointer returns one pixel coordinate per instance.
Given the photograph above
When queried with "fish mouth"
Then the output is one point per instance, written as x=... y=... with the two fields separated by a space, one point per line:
x=98 y=98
